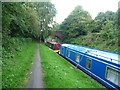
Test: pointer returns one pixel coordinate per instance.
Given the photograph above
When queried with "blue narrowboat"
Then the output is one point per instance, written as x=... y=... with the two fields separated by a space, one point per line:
x=101 y=65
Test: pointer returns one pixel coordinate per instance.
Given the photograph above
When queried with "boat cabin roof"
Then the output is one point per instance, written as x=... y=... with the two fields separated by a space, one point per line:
x=112 y=57
x=53 y=43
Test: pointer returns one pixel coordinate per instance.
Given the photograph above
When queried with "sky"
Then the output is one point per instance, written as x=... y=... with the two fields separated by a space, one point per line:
x=65 y=7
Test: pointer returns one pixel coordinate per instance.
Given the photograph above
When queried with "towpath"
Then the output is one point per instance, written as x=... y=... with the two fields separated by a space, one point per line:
x=36 y=78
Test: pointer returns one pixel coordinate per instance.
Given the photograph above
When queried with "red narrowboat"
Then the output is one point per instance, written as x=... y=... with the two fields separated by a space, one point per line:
x=54 y=45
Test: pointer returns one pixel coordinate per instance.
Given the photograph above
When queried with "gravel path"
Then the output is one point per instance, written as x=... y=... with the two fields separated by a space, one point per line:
x=36 y=79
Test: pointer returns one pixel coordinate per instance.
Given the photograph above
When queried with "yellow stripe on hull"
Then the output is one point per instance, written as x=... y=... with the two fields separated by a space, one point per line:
x=56 y=50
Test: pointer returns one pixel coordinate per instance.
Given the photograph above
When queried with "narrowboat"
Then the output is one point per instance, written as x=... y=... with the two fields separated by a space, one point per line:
x=54 y=45
x=103 y=66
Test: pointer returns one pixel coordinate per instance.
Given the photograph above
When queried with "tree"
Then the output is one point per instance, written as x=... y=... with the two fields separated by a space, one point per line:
x=46 y=11
x=74 y=25
x=101 y=19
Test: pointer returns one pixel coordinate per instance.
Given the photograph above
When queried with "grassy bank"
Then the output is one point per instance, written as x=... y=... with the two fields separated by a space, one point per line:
x=58 y=73
x=15 y=69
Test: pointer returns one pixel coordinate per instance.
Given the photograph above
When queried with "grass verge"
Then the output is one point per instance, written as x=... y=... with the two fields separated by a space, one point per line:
x=15 y=70
x=58 y=73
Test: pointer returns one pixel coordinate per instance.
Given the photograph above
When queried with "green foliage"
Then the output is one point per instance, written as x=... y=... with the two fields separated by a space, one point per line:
x=13 y=46
x=101 y=19
x=74 y=24
x=101 y=33
x=46 y=12
x=58 y=73
x=21 y=24
x=26 y=20
x=16 y=66
x=56 y=27
x=17 y=21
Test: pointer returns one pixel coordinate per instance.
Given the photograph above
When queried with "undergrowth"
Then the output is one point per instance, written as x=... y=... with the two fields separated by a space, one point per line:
x=17 y=62
x=96 y=40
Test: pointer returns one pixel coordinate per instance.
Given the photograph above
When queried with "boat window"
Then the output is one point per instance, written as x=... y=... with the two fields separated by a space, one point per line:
x=68 y=53
x=62 y=50
x=89 y=63
x=113 y=75
x=77 y=57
